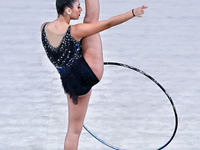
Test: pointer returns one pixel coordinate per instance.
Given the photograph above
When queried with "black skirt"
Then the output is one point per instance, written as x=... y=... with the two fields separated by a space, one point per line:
x=77 y=79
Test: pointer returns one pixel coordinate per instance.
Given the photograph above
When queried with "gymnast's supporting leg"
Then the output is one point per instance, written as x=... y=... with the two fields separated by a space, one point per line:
x=92 y=46
x=76 y=115
x=92 y=50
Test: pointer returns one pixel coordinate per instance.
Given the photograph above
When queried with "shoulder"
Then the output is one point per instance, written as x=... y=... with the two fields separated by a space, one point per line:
x=76 y=31
x=43 y=25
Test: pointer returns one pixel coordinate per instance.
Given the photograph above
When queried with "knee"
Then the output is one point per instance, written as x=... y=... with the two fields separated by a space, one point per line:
x=71 y=140
x=90 y=18
x=74 y=131
x=75 y=134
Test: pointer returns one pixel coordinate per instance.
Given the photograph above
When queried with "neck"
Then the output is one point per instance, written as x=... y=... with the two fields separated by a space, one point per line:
x=62 y=18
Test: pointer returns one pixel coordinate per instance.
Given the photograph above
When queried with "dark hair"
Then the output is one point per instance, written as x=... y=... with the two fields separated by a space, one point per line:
x=62 y=4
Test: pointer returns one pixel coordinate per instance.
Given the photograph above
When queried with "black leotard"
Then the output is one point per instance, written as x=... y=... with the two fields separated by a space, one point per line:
x=76 y=75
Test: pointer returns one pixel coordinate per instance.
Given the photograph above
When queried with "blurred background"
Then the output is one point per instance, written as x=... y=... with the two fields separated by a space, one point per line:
x=126 y=109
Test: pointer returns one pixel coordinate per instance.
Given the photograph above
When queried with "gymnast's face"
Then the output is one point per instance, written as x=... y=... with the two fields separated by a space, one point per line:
x=75 y=12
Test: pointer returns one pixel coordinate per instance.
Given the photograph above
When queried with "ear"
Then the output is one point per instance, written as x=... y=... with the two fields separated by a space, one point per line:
x=68 y=11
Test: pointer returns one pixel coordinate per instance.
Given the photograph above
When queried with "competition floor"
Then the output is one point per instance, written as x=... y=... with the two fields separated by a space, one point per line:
x=125 y=109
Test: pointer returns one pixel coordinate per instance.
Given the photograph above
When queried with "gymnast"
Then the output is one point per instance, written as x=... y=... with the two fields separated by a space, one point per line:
x=76 y=53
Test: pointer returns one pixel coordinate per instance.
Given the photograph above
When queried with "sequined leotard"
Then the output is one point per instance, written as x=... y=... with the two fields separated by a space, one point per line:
x=76 y=75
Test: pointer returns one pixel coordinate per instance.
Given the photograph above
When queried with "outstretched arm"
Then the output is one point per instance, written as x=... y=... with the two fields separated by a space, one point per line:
x=86 y=29
x=138 y=12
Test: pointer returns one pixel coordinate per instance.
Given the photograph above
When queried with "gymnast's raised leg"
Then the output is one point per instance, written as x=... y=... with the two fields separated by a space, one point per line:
x=92 y=46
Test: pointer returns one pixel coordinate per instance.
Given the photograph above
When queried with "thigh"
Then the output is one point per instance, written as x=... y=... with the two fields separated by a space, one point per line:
x=93 y=54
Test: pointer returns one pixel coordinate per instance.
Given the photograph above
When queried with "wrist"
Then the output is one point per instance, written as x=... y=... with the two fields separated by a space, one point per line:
x=133 y=13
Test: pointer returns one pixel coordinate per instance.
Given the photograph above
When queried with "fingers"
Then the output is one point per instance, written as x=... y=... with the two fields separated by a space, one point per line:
x=140 y=11
x=144 y=7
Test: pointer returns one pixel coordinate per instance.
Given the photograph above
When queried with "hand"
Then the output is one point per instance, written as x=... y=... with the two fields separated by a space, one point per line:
x=140 y=11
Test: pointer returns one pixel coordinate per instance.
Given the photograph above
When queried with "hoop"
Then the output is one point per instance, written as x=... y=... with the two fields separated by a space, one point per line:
x=161 y=87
